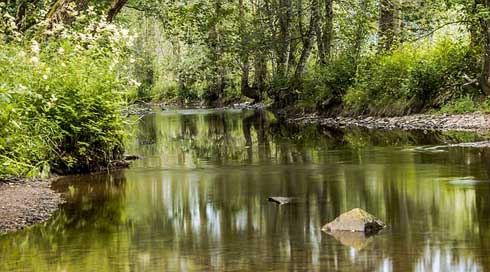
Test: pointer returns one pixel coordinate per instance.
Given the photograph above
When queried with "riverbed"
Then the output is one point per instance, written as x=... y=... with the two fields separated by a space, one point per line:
x=197 y=201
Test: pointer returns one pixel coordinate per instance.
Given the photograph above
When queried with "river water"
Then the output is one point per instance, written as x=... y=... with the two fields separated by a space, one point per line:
x=198 y=201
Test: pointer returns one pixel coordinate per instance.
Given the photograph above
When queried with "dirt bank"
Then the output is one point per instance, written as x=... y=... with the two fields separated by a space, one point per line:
x=466 y=122
x=24 y=203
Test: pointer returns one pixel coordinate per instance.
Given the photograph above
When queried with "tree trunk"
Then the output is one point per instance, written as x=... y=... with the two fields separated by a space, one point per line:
x=116 y=7
x=270 y=18
x=284 y=43
x=260 y=56
x=485 y=28
x=360 y=33
x=245 y=62
x=60 y=9
x=387 y=24
x=325 y=32
x=260 y=72
x=307 y=44
x=328 y=31
x=246 y=90
x=217 y=77
x=20 y=15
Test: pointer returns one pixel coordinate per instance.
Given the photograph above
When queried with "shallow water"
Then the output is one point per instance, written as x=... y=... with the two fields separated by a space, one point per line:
x=198 y=201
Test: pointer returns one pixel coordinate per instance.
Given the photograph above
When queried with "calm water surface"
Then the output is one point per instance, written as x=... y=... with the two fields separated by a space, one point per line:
x=198 y=201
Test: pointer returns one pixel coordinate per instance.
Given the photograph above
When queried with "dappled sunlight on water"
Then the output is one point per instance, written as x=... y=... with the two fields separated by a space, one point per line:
x=198 y=201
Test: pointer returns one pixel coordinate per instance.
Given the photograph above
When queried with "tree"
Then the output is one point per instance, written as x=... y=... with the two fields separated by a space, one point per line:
x=482 y=8
x=308 y=42
x=387 y=24
x=65 y=11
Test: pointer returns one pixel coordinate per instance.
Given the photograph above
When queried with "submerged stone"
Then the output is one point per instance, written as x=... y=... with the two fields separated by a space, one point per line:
x=356 y=220
x=281 y=200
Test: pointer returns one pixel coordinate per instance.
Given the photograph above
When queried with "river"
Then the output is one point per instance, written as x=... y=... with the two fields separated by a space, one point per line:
x=198 y=201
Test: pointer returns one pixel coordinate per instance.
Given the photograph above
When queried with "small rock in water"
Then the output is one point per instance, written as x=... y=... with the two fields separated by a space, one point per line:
x=281 y=200
x=356 y=220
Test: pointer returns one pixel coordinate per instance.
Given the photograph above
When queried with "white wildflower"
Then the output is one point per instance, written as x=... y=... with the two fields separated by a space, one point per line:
x=58 y=27
x=35 y=60
x=131 y=60
x=12 y=25
x=8 y=16
x=134 y=83
x=110 y=27
x=124 y=32
x=35 y=47
x=21 y=54
x=45 y=77
x=90 y=11
x=61 y=51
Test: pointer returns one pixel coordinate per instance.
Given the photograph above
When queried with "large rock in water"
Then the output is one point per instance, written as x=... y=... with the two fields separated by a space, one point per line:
x=356 y=220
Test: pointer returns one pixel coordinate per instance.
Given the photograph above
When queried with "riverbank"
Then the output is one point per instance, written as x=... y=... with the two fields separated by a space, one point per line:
x=26 y=202
x=461 y=122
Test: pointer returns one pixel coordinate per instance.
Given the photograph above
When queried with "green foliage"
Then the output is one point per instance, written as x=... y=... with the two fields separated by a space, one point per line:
x=466 y=104
x=324 y=86
x=61 y=102
x=411 y=79
x=461 y=105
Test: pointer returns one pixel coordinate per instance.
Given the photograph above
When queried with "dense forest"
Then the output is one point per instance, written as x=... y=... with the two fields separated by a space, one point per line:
x=68 y=69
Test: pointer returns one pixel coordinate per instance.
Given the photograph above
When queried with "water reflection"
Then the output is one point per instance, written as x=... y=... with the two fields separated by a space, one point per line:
x=198 y=201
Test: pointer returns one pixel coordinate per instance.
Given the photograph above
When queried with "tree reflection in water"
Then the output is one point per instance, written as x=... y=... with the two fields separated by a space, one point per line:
x=198 y=201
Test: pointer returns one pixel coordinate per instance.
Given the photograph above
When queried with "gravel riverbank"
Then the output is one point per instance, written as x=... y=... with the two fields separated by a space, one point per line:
x=465 y=122
x=25 y=203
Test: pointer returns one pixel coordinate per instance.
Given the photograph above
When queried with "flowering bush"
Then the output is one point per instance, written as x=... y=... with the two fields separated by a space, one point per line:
x=61 y=99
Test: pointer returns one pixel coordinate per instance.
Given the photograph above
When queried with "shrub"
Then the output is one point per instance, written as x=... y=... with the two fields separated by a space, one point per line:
x=324 y=86
x=60 y=104
x=461 y=105
x=410 y=79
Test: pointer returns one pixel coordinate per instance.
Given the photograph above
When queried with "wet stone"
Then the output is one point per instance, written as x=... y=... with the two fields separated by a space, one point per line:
x=281 y=200
x=356 y=220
